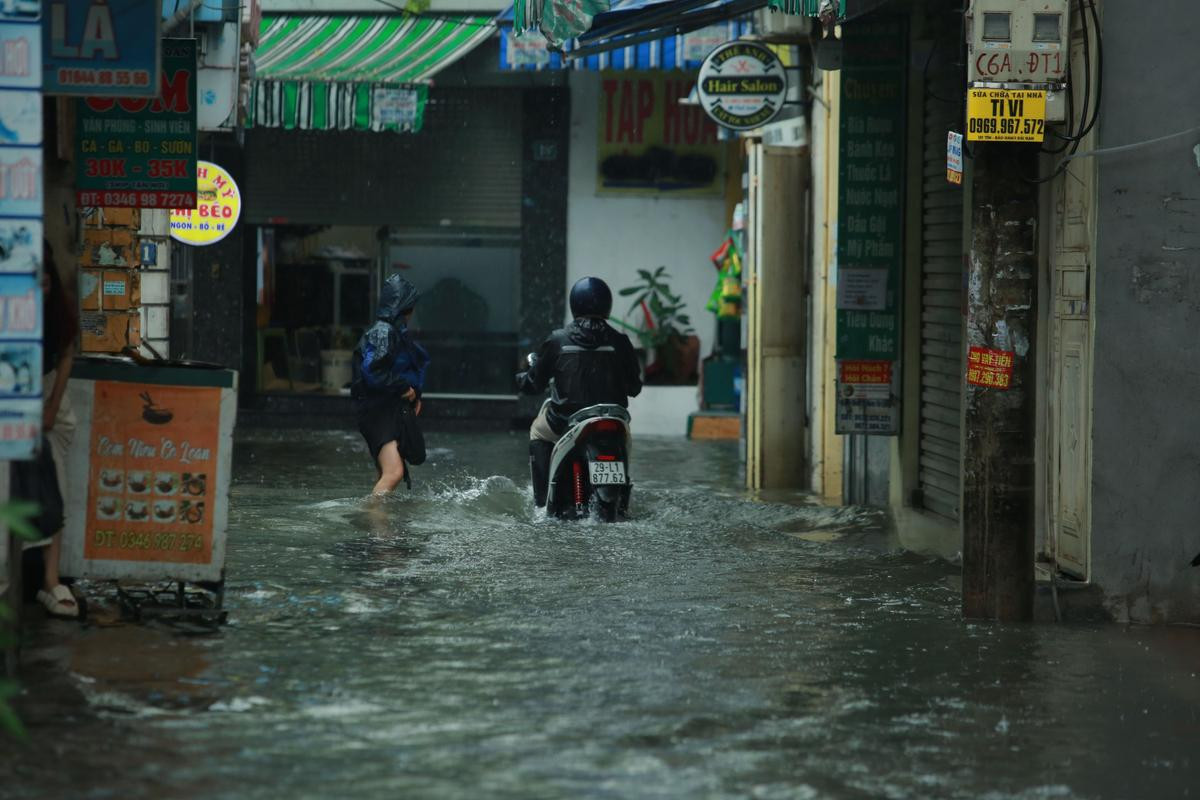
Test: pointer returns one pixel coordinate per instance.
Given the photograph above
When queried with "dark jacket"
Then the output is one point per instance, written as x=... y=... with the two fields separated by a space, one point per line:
x=387 y=362
x=585 y=363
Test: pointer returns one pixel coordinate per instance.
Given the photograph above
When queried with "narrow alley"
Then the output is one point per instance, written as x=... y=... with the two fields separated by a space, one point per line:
x=454 y=644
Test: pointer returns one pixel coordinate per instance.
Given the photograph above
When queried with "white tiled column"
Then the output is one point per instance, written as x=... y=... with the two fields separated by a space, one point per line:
x=156 y=281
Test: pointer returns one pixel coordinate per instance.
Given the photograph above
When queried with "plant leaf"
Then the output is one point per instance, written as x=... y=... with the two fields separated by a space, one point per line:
x=17 y=516
x=629 y=290
x=10 y=723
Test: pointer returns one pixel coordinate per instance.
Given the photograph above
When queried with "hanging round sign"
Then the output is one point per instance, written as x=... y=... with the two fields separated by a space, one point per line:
x=742 y=85
x=218 y=206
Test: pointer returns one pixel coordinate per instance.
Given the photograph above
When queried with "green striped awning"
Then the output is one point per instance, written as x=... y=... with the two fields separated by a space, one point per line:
x=322 y=106
x=354 y=70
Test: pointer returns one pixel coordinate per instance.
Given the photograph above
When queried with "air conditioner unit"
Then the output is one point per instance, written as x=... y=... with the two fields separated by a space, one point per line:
x=776 y=25
x=791 y=132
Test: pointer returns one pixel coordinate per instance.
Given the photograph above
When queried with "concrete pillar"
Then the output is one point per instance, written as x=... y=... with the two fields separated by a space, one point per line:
x=776 y=307
x=999 y=423
x=545 y=141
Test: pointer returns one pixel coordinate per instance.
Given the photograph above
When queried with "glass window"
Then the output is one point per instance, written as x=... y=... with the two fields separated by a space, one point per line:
x=1047 y=27
x=468 y=316
x=997 y=26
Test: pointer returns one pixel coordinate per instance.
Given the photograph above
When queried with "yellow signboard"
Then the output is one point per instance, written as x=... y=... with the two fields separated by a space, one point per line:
x=218 y=206
x=1006 y=115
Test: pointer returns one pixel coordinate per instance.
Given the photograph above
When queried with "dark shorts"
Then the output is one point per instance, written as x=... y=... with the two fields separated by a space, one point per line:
x=391 y=420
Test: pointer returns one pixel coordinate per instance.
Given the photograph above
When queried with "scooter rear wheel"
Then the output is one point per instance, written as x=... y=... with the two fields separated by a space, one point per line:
x=606 y=511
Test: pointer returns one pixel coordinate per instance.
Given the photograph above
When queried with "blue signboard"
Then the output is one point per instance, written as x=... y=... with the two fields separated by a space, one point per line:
x=20 y=117
x=109 y=48
x=21 y=182
x=20 y=55
x=21 y=229
x=20 y=366
x=21 y=10
x=21 y=245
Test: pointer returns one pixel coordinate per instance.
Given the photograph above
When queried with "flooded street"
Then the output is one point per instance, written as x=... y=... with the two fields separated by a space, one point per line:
x=450 y=643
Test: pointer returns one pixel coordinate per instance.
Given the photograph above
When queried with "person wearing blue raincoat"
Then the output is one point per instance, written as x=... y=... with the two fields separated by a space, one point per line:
x=388 y=376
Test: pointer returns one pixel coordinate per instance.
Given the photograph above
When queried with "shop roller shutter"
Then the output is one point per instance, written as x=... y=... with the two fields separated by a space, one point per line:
x=462 y=170
x=940 y=456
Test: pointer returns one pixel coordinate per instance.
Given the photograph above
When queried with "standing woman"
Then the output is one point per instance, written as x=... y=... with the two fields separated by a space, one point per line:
x=388 y=374
x=60 y=337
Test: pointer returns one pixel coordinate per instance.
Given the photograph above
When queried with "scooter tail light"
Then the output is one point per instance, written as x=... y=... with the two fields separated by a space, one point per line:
x=606 y=426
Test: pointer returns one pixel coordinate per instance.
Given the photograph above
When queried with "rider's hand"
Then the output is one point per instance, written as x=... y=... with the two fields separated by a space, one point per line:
x=410 y=395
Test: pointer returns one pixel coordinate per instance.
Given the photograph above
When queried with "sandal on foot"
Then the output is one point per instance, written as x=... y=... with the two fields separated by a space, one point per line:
x=59 y=602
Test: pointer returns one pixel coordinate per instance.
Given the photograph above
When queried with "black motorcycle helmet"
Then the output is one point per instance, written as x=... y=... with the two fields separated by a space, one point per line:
x=591 y=297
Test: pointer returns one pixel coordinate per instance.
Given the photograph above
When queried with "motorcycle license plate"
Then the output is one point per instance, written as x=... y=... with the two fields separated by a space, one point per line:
x=607 y=473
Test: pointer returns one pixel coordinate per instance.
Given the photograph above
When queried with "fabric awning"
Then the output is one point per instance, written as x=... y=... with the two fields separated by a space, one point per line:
x=680 y=47
x=355 y=71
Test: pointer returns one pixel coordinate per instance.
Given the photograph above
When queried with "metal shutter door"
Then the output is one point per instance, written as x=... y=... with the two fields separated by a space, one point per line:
x=463 y=170
x=940 y=456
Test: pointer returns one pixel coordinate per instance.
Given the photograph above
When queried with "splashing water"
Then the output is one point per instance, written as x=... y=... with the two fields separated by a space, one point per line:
x=451 y=642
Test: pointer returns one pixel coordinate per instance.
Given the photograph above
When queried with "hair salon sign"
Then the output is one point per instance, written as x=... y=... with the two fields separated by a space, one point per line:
x=742 y=85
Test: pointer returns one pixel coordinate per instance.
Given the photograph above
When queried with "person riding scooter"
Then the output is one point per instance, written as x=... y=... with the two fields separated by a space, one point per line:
x=585 y=364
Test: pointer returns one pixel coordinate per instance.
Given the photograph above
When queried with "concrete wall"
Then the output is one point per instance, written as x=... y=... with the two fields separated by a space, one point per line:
x=611 y=237
x=1146 y=462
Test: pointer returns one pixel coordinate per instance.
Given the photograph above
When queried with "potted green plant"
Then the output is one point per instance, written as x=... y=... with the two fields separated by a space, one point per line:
x=663 y=329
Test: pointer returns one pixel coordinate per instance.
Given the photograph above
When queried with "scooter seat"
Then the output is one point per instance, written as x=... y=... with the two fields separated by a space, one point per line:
x=602 y=410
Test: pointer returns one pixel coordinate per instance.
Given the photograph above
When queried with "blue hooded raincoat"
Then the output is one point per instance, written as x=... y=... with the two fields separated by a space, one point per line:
x=386 y=364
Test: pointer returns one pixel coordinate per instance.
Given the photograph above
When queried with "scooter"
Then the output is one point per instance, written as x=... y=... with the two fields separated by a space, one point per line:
x=588 y=471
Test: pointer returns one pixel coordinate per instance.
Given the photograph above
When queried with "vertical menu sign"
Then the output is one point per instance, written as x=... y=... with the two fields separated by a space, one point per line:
x=870 y=228
x=21 y=210
x=139 y=152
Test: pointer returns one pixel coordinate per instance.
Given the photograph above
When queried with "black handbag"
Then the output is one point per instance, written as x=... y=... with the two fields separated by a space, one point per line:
x=36 y=481
x=410 y=442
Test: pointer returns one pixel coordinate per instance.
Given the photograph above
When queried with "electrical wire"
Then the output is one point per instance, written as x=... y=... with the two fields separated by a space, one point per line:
x=1124 y=148
x=1074 y=139
x=1087 y=68
x=1083 y=14
x=925 y=76
x=1099 y=68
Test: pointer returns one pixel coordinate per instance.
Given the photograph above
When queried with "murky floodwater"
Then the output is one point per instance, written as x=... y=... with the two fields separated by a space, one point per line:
x=452 y=644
